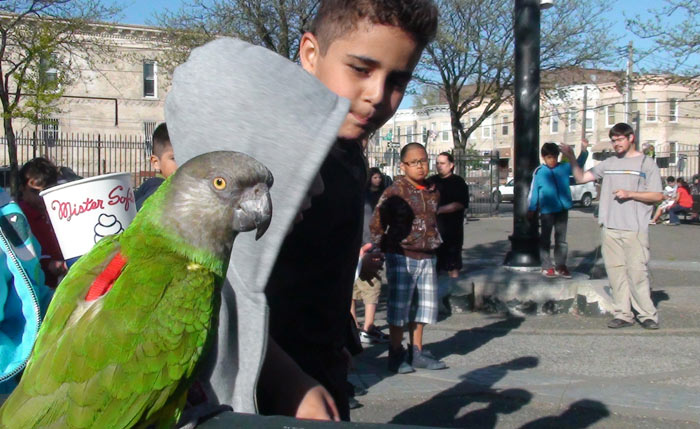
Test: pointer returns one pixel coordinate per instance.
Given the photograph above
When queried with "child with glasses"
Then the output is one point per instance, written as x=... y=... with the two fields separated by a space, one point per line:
x=404 y=226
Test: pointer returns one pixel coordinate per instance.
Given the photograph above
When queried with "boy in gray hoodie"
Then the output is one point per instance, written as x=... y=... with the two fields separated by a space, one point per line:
x=364 y=51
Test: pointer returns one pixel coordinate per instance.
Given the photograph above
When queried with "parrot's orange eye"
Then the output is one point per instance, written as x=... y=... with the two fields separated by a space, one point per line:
x=219 y=183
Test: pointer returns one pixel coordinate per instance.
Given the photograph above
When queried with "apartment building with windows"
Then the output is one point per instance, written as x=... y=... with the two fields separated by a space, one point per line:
x=123 y=95
x=668 y=108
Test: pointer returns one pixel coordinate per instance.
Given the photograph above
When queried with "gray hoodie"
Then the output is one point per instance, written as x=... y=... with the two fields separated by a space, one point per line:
x=231 y=95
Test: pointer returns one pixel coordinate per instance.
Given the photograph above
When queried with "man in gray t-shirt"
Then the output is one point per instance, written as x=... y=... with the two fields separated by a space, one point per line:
x=631 y=185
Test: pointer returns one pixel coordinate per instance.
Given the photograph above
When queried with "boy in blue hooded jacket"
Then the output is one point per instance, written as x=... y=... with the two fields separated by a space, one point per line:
x=550 y=193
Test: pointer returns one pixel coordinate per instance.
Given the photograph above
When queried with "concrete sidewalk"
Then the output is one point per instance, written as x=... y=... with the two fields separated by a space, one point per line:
x=553 y=371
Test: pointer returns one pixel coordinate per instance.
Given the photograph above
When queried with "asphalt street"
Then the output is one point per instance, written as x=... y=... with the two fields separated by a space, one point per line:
x=564 y=370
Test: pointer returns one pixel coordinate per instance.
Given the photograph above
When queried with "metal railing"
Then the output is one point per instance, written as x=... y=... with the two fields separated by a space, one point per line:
x=86 y=154
x=481 y=172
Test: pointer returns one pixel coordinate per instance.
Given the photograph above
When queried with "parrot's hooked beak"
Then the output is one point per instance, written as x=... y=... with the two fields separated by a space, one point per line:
x=254 y=210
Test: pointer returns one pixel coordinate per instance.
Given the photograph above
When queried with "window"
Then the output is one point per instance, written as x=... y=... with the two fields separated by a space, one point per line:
x=445 y=131
x=572 y=119
x=148 y=127
x=673 y=110
x=409 y=135
x=589 y=115
x=149 y=79
x=472 y=121
x=610 y=116
x=49 y=131
x=554 y=124
x=47 y=71
x=486 y=128
x=672 y=153
x=505 y=126
x=651 y=110
x=424 y=134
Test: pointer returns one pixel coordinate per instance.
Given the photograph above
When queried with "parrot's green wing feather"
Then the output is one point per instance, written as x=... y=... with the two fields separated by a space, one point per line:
x=120 y=368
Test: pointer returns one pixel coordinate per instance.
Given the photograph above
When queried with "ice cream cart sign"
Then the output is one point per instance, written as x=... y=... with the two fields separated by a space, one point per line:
x=85 y=211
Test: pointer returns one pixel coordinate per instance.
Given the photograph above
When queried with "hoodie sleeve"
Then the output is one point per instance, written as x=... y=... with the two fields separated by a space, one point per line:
x=582 y=158
x=379 y=222
x=533 y=196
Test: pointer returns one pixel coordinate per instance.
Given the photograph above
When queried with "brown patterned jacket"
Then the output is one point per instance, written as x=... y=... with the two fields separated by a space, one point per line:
x=405 y=220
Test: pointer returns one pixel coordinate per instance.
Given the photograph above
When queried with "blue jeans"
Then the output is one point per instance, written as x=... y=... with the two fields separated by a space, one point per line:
x=673 y=213
x=558 y=222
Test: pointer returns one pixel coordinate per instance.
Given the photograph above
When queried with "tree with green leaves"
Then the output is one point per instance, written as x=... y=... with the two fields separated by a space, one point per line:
x=43 y=46
x=472 y=58
x=276 y=25
x=675 y=30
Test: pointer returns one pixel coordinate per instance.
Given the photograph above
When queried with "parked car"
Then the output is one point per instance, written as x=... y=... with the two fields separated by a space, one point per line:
x=503 y=192
x=583 y=194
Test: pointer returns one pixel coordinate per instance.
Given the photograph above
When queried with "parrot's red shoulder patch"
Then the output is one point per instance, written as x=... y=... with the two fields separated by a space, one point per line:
x=104 y=282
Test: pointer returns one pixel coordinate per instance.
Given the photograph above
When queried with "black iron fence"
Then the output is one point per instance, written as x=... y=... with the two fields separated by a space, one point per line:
x=482 y=172
x=86 y=155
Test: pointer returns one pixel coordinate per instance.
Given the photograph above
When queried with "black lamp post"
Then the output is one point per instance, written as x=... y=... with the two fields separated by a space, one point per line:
x=524 y=253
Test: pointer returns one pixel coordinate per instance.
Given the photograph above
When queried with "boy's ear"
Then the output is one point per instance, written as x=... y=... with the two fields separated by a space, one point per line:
x=155 y=163
x=309 y=51
x=34 y=184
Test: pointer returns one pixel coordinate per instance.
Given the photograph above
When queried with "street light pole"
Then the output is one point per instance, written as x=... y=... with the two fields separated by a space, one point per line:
x=524 y=253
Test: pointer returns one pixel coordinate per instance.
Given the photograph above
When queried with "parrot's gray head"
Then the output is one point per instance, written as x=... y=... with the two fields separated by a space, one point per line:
x=216 y=195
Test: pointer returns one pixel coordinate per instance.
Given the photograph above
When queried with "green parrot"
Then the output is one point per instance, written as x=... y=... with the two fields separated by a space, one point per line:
x=123 y=335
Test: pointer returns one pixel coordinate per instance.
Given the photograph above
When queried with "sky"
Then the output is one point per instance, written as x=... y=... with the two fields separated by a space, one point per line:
x=141 y=12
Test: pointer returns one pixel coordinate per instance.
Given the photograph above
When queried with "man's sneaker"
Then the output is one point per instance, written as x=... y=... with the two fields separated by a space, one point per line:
x=563 y=272
x=619 y=323
x=549 y=273
x=650 y=324
x=425 y=360
x=398 y=361
x=373 y=335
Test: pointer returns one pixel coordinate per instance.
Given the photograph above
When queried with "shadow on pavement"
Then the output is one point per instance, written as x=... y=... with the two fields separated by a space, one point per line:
x=444 y=408
x=493 y=250
x=465 y=342
x=658 y=296
x=580 y=414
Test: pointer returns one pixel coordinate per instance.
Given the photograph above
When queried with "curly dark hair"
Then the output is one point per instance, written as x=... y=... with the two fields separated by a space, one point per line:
x=338 y=17
x=43 y=171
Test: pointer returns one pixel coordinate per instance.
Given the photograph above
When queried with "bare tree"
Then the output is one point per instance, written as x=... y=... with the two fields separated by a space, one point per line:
x=274 y=24
x=43 y=46
x=472 y=56
x=675 y=31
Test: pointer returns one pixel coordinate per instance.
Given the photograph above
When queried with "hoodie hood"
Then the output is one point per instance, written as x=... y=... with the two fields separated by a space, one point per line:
x=231 y=95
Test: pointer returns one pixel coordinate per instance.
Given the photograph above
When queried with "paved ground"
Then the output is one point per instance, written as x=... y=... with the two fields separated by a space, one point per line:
x=553 y=371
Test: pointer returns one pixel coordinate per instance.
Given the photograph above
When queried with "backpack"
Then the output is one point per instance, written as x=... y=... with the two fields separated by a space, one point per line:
x=23 y=295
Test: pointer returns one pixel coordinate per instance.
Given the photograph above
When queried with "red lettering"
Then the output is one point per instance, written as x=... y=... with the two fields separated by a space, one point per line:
x=67 y=210
x=126 y=200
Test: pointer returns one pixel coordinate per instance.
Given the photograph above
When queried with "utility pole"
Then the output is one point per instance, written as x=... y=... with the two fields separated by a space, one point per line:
x=637 y=131
x=524 y=253
x=628 y=82
x=585 y=106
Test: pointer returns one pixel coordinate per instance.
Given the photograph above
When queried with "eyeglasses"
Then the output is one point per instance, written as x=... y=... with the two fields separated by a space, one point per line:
x=417 y=162
x=618 y=139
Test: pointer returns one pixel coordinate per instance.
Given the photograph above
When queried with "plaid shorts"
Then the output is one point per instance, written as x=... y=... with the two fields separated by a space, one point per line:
x=406 y=277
